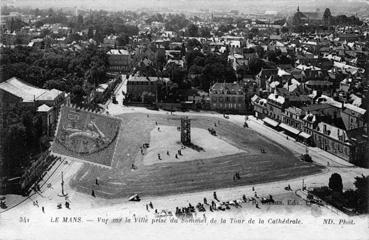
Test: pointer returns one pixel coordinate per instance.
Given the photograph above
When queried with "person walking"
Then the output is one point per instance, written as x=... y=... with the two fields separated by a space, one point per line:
x=215 y=196
x=93 y=193
x=43 y=209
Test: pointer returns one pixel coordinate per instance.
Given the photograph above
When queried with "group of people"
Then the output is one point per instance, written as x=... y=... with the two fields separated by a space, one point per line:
x=3 y=204
x=185 y=211
x=149 y=205
x=66 y=203
x=216 y=205
x=35 y=203
x=179 y=153
x=144 y=147
x=236 y=176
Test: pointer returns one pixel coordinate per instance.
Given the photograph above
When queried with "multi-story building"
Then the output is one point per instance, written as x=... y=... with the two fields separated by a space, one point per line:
x=292 y=121
x=260 y=106
x=17 y=97
x=119 y=61
x=143 y=89
x=110 y=41
x=227 y=97
x=353 y=117
x=349 y=145
x=16 y=94
x=275 y=106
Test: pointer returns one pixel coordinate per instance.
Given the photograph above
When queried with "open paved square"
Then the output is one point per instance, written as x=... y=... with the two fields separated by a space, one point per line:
x=164 y=140
x=170 y=177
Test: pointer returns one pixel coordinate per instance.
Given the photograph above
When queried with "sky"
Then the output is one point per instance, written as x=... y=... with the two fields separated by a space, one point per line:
x=251 y=6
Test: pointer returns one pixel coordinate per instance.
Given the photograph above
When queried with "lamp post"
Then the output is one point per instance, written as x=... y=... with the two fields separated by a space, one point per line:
x=63 y=194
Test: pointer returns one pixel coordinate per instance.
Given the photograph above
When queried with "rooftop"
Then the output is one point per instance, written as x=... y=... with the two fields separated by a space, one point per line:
x=118 y=52
x=43 y=108
x=233 y=87
x=28 y=92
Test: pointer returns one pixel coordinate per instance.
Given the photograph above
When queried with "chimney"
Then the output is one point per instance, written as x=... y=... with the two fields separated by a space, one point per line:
x=275 y=93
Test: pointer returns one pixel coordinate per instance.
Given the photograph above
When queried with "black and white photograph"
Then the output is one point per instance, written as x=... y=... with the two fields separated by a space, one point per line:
x=184 y=119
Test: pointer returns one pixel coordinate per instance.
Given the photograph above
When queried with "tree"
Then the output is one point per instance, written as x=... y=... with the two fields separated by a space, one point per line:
x=191 y=56
x=225 y=28
x=192 y=30
x=260 y=51
x=362 y=190
x=335 y=183
x=35 y=75
x=193 y=43
x=284 y=30
x=122 y=39
x=205 y=32
x=195 y=69
x=77 y=94
x=254 y=31
x=15 y=148
x=176 y=22
x=15 y=24
x=255 y=66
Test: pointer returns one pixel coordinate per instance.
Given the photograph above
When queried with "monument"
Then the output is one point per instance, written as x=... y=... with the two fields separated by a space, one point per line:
x=185 y=131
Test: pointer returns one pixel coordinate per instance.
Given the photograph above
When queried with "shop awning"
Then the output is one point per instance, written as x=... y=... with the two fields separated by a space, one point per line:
x=270 y=122
x=305 y=135
x=290 y=129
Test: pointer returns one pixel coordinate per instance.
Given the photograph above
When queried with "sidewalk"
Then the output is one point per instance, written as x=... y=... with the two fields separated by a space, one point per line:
x=317 y=154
